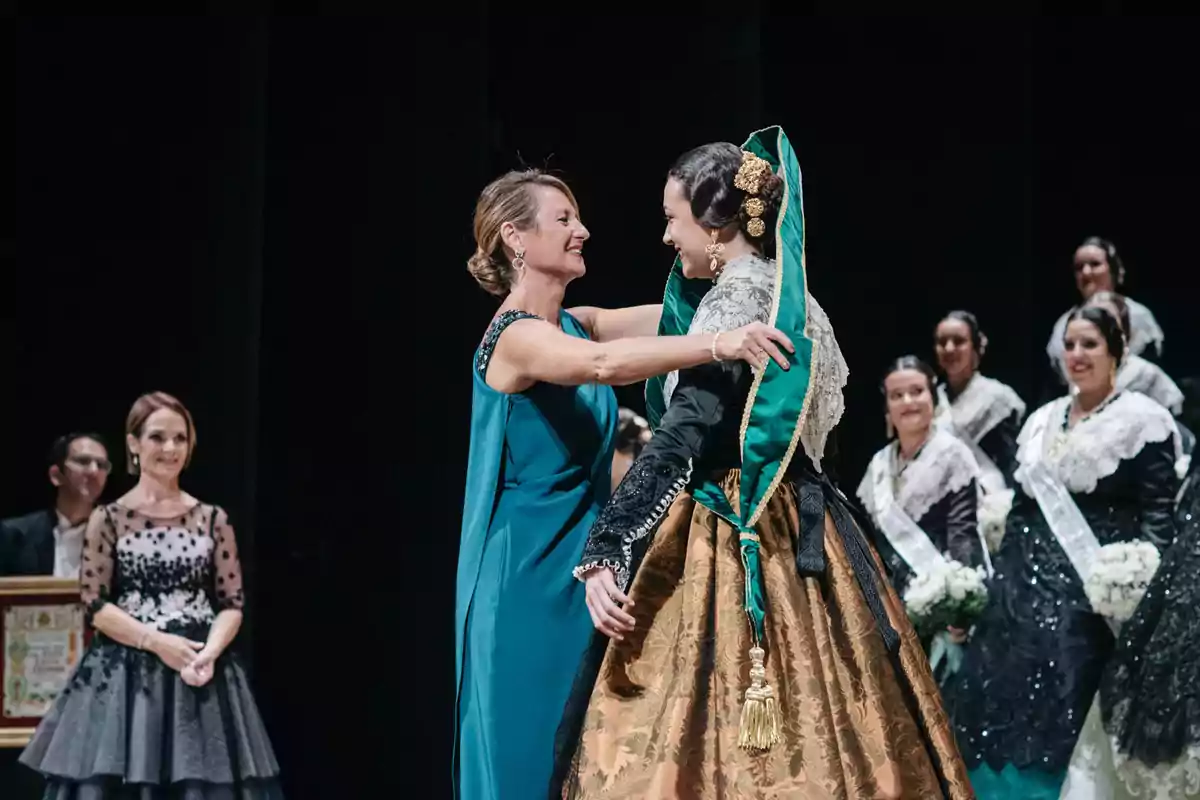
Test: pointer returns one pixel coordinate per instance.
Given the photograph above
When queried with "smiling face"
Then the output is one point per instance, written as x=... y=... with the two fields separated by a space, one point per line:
x=1090 y=365
x=684 y=232
x=163 y=445
x=554 y=243
x=1093 y=273
x=955 y=350
x=909 y=401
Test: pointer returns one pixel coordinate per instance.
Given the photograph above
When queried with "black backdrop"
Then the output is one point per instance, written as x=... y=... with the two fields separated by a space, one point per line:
x=270 y=218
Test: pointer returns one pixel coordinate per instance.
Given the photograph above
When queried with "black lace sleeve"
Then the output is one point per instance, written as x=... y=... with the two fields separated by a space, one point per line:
x=227 y=565
x=962 y=526
x=1000 y=444
x=662 y=471
x=98 y=559
x=1157 y=483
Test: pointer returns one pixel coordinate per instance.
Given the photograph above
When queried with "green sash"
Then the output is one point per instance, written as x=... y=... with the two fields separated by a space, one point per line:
x=778 y=401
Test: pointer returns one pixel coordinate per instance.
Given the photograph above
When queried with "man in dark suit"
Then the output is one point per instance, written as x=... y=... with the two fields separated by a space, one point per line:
x=50 y=541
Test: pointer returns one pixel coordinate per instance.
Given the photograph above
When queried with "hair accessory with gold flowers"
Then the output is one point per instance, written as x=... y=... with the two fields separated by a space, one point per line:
x=750 y=176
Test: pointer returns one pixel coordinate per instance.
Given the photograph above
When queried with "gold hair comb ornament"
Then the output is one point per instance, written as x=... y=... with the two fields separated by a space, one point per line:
x=749 y=179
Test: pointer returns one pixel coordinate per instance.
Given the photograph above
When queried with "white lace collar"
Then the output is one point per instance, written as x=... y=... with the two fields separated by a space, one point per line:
x=982 y=405
x=1142 y=376
x=1097 y=444
x=944 y=465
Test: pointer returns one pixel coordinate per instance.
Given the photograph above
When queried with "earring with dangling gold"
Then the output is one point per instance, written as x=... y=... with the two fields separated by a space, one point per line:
x=716 y=255
x=891 y=429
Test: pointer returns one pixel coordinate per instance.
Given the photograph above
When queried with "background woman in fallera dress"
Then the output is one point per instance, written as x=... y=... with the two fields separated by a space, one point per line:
x=922 y=490
x=981 y=411
x=1095 y=467
x=159 y=708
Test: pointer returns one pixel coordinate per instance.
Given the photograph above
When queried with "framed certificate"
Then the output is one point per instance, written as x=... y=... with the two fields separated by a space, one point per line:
x=42 y=639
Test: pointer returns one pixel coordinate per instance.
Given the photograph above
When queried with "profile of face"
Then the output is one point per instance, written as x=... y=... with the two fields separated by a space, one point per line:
x=684 y=232
x=84 y=472
x=1093 y=273
x=554 y=244
x=1090 y=365
x=909 y=400
x=163 y=446
x=955 y=350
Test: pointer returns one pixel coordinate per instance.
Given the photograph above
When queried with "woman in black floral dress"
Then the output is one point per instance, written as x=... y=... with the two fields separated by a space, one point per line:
x=158 y=707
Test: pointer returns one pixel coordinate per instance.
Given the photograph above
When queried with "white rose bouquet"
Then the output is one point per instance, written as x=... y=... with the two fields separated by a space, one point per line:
x=1119 y=576
x=949 y=594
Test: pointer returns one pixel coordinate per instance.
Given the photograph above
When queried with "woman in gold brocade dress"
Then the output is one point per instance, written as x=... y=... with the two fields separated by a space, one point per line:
x=760 y=652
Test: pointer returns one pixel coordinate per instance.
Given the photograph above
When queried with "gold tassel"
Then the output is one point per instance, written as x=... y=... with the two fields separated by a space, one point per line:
x=760 y=715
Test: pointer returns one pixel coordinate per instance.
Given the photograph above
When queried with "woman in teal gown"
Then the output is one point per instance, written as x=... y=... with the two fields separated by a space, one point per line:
x=543 y=424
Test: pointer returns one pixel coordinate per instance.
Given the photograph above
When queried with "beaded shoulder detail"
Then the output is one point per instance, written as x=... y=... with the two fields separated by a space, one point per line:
x=490 y=337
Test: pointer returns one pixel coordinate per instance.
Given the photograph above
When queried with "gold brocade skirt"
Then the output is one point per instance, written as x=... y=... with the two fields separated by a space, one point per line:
x=664 y=714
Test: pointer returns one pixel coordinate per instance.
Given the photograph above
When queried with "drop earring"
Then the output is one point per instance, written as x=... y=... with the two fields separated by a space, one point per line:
x=716 y=255
x=518 y=262
x=891 y=429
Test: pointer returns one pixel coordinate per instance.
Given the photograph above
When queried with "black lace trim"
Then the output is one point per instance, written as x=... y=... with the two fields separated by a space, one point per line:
x=1150 y=693
x=492 y=335
x=635 y=510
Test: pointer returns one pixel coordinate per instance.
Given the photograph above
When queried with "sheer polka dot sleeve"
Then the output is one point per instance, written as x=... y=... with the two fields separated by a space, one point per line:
x=226 y=564
x=96 y=566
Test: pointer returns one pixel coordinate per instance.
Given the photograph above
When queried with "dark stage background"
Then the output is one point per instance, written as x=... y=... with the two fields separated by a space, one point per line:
x=271 y=217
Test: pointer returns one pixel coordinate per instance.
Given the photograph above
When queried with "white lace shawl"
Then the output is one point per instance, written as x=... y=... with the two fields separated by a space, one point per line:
x=944 y=465
x=1142 y=376
x=1146 y=332
x=980 y=407
x=743 y=294
x=1096 y=445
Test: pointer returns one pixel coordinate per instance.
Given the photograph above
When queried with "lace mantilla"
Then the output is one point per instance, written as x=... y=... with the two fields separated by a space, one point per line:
x=980 y=407
x=1141 y=376
x=944 y=465
x=828 y=376
x=1096 y=445
x=742 y=295
x=1146 y=333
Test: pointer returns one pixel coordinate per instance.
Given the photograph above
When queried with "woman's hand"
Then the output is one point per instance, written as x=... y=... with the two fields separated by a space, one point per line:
x=957 y=635
x=754 y=343
x=602 y=599
x=175 y=651
x=200 y=671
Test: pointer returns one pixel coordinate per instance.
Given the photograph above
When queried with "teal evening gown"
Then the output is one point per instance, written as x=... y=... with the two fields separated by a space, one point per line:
x=538 y=474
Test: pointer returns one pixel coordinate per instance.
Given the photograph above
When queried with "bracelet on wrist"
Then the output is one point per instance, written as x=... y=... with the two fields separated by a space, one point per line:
x=716 y=338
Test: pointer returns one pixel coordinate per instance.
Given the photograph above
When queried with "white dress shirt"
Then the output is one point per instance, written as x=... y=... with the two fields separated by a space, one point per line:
x=68 y=547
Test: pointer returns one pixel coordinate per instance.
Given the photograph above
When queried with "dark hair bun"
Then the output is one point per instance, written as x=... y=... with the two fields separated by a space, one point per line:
x=706 y=174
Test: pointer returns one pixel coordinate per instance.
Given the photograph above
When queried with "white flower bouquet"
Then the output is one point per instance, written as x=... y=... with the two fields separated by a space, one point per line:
x=1119 y=576
x=948 y=594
